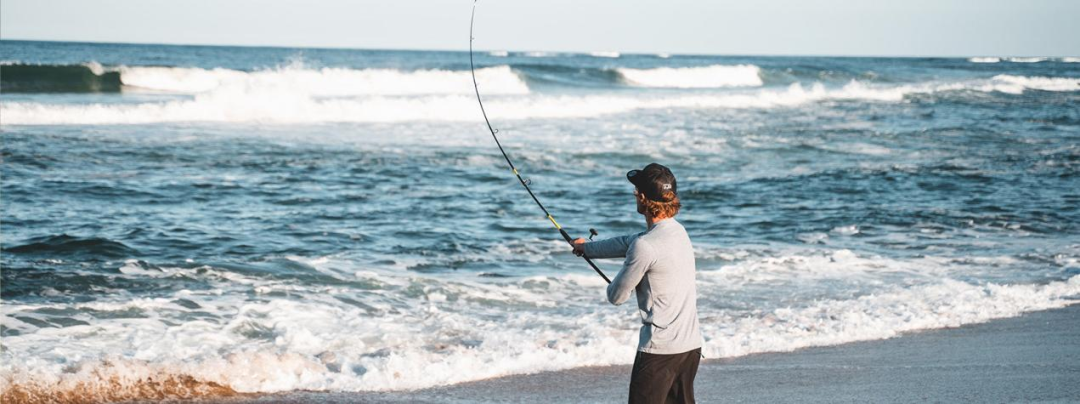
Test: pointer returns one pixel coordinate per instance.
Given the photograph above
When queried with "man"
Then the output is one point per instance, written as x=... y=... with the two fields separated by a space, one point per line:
x=660 y=267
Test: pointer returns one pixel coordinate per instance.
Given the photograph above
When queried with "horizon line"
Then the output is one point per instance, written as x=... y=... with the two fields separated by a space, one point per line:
x=465 y=50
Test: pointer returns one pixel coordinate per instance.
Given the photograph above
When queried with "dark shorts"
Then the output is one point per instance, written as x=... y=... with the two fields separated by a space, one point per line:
x=664 y=378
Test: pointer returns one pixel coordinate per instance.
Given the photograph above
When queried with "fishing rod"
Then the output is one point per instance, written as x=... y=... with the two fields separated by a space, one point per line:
x=523 y=181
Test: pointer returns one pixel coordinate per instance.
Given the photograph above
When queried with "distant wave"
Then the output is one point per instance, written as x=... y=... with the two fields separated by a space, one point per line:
x=993 y=59
x=715 y=76
x=604 y=54
x=325 y=82
x=64 y=245
x=269 y=104
x=1017 y=84
x=36 y=78
x=1027 y=60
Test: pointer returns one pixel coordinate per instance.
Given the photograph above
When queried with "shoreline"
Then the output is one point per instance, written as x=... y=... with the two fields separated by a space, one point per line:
x=1031 y=357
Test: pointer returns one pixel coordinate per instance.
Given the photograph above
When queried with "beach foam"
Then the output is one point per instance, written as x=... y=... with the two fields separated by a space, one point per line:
x=404 y=331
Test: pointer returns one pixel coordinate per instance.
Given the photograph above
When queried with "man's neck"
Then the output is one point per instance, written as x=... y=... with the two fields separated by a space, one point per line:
x=652 y=221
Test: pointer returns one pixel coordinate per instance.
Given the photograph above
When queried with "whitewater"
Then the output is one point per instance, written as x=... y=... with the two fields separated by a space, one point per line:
x=295 y=94
x=205 y=221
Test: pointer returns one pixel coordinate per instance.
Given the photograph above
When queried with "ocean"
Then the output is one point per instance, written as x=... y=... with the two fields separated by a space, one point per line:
x=196 y=220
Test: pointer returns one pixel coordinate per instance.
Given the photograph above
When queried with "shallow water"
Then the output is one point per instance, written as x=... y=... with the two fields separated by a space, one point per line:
x=299 y=219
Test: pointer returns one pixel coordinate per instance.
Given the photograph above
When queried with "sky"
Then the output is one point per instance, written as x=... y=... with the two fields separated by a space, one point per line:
x=727 y=27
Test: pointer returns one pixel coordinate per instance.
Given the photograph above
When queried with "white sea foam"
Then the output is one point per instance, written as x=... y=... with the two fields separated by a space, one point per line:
x=1027 y=59
x=845 y=230
x=1070 y=60
x=407 y=332
x=500 y=54
x=994 y=59
x=95 y=68
x=325 y=82
x=885 y=315
x=715 y=76
x=265 y=105
x=604 y=54
x=1017 y=84
x=277 y=104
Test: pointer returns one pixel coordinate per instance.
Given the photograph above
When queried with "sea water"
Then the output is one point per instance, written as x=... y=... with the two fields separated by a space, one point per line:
x=275 y=219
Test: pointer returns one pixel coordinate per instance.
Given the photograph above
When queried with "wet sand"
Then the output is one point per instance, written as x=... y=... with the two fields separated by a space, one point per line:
x=1031 y=358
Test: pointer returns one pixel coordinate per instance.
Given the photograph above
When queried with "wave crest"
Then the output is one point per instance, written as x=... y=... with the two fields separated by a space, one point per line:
x=715 y=76
x=35 y=78
x=65 y=245
x=325 y=82
x=294 y=78
x=284 y=106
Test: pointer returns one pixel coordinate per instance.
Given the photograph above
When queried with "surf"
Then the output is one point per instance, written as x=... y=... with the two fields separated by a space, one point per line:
x=288 y=104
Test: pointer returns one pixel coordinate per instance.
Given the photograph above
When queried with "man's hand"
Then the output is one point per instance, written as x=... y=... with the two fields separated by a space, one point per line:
x=579 y=246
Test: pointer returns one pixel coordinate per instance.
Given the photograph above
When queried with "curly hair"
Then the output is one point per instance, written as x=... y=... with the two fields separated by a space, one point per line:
x=668 y=208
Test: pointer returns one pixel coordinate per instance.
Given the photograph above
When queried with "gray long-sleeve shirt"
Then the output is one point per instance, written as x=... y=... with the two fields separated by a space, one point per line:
x=660 y=267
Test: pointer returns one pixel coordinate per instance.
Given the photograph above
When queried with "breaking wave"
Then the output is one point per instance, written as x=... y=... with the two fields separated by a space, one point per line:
x=1017 y=84
x=324 y=82
x=66 y=246
x=275 y=104
x=604 y=54
x=994 y=59
x=716 y=76
x=34 y=78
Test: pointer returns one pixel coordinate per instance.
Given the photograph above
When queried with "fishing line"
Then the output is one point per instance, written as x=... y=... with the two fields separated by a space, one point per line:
x=523 y=181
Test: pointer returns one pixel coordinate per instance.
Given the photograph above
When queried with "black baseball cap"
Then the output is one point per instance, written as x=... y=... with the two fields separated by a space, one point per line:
x=654 y=181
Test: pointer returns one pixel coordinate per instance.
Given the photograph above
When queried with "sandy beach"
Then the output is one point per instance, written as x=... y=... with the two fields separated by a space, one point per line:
x=1031 y=358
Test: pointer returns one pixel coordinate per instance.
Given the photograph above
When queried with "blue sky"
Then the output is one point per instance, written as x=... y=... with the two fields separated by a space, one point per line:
x=769 y=27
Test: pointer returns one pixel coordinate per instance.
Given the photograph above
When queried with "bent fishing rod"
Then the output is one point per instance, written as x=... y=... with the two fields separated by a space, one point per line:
x=523 y=181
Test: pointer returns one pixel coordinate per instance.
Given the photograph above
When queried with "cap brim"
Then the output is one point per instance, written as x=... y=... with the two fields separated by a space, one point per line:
x=631 y=174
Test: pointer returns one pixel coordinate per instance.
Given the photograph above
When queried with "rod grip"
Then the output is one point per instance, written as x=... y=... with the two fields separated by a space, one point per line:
x=570 y=240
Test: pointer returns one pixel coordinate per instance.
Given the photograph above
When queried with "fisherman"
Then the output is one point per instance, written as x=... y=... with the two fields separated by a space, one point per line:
x=660 y=267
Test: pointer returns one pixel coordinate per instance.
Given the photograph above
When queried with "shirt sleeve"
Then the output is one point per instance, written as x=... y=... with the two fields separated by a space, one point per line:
x=639 y=257
x=614 y=247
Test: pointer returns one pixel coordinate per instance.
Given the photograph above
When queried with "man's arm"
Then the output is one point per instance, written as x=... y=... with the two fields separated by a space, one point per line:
x=638 y=259
x=614 y=247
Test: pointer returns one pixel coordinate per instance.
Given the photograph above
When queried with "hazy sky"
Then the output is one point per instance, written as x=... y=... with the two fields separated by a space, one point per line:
x=774 y=27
